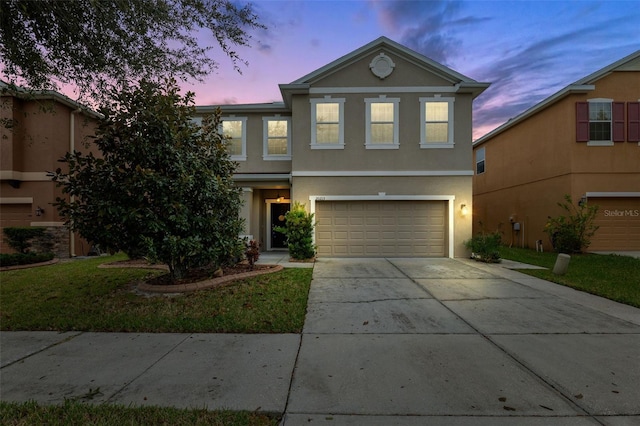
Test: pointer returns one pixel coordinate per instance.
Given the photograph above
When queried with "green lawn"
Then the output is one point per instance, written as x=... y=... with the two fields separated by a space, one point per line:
x=79 y=296
x=611 y=276
x=75 y=413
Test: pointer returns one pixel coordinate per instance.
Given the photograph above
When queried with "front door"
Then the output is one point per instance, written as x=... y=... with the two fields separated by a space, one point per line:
x=278 y=210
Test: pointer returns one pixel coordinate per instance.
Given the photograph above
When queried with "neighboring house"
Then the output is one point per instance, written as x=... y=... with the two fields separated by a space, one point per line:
x=377 y=144
x=37 y=129
x=583 y=141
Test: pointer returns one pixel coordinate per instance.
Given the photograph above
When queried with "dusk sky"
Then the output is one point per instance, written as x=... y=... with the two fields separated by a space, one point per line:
x=528 y=50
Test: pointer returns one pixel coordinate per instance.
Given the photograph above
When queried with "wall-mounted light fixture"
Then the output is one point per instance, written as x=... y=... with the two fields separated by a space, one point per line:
x=582 y=201
x=279 y=198
x=39 y=211
x=464 y=210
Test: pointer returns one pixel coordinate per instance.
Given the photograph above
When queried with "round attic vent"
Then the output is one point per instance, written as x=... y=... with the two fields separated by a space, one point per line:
x=382 y=66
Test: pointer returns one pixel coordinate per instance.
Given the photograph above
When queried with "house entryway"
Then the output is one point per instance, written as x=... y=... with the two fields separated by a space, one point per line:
x=276 y=212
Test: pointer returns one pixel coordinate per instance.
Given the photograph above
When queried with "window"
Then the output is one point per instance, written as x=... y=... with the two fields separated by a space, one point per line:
x=600 y=122
x=234 y=128
x=480 y=161
x=327 y=123
x=437 y=122
x=277 y=139
x=382 y=123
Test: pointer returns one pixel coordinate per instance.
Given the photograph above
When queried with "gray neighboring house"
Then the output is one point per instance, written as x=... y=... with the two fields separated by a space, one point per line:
x=377 y=144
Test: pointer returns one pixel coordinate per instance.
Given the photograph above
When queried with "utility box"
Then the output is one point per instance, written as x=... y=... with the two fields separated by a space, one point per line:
x=516 y=226
x=562 y=264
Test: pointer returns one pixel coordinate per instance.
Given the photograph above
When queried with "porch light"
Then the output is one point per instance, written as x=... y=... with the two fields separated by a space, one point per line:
x=279 y=198
x=464 y=210
x=39 y=211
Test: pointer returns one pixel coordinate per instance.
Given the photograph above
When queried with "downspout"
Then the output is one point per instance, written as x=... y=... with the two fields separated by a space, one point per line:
x=72 y=147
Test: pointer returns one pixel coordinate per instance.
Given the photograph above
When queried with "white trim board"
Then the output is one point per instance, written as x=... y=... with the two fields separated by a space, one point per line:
x=377 y=173
x=612 y=194
x=383 y=197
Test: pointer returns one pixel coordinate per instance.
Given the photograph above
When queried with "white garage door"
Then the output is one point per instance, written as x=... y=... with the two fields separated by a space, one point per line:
x=381 y=228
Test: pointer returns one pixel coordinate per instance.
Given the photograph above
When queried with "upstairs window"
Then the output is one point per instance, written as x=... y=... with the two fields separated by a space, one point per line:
x=234 y=129
x=382 y=123
x=436 y=130
x=480 y=161
x=600 y=122
x=327 y=123
x=277 y=139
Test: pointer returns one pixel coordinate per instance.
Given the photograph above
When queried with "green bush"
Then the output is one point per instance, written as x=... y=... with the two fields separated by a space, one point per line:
x=485 y=246
x=13 y=259
x=19 y=238
x=299 y=232
x=572 y=233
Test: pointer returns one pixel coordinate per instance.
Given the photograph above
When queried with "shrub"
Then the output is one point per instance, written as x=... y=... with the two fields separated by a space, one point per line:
x=20 y=238
x=252 y=252
x=485 y=246
x=163 y=186
x=13 y=259
x=572 y=233
x=299 y=232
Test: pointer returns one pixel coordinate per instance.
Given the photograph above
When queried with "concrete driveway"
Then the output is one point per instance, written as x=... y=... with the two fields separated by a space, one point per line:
x=450 y=342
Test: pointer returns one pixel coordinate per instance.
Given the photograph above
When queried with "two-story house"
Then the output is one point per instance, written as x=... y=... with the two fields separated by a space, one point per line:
x=377 y=144
x=583 y=141
x=37 y=129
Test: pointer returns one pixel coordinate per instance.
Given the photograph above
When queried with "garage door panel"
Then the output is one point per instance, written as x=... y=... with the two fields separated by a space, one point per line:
x=619 y=224
x=381 y=228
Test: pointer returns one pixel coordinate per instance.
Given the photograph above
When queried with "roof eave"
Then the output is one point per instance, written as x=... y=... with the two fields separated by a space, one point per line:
x=473 y=87
x=275 y=107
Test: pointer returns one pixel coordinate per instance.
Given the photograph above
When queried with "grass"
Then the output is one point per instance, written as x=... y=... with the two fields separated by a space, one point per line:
x=611 y=276
x=76 y=413
x=79 y=296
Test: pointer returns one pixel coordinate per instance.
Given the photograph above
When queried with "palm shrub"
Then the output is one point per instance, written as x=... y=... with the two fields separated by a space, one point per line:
x=299 y=232
x=571 y=233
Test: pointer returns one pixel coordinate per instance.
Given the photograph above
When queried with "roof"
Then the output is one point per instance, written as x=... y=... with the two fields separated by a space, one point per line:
x=584 y=85
x=23 y=93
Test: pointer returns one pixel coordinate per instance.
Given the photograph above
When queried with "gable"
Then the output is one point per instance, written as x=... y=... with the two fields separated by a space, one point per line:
x=365 y=55
x=360 y=72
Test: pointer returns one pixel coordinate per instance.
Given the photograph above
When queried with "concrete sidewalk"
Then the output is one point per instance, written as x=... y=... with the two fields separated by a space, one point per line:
x=385 y=341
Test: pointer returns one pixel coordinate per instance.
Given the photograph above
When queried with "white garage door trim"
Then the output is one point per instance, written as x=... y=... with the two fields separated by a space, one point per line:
x=384 y=197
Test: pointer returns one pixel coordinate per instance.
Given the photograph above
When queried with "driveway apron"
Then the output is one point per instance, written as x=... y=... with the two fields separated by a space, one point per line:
x=446 y=342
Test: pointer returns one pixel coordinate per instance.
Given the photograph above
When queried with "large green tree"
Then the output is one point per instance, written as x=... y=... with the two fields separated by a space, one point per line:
x=162 y=187
x=92 y=43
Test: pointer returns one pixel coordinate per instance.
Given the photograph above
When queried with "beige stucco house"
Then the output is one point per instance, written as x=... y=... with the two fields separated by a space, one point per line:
x=583 y=141
x=37 y=129
x=377 y=144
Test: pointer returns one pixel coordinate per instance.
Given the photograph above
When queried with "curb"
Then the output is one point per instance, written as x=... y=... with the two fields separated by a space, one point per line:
x=200 y=285
x=30 y=265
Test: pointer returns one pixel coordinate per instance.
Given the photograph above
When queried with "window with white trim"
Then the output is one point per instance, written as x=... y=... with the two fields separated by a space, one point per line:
x=327 y=123
x=277 y=138
x=235 y=130
x=436 y=129
x=382 y=123
x=480 y=165
x=600 y=121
